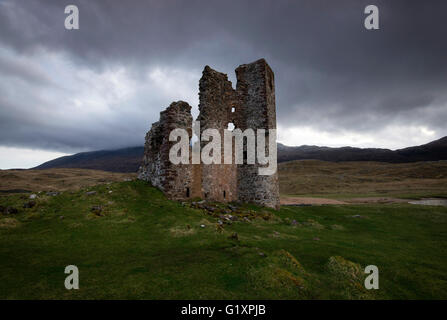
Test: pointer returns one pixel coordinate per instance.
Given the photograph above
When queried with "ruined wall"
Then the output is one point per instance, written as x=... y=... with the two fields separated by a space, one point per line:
x=217 y=98
x=256 y=91
x=174 y=180
x=251 y=105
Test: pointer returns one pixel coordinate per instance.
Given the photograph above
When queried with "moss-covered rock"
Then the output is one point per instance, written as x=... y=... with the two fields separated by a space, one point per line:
x=349 y=277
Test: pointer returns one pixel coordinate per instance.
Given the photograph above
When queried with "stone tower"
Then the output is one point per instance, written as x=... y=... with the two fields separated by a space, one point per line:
x=257 y=110
x=250 y=106
x=217 y=98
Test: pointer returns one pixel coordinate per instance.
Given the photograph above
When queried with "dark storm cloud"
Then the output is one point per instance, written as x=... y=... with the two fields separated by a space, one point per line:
x=331 y=73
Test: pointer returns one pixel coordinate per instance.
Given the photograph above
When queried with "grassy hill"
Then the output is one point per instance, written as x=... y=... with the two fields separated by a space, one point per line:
x=120 y=160
x=130 y=242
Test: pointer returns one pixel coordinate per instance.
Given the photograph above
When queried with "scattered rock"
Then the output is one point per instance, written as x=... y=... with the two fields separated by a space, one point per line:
x=97 y=210
x=9 y=223
x=110 y=191
x=33 y=196
x=29 y=204
x=52 y=193
x=266 y=217
x=202 y=226
x=89 y=193
x=228 y=218
x=234 y=236
x=10 y=210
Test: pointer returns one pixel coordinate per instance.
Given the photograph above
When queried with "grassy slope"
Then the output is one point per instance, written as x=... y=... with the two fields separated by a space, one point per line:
x=142 y=248
x=55 y=179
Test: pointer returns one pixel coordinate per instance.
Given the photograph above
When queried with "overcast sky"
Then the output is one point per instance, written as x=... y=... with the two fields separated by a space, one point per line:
x=100 y=87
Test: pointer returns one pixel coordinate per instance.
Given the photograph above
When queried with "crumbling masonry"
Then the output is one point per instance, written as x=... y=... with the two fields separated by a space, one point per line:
x=251 y=105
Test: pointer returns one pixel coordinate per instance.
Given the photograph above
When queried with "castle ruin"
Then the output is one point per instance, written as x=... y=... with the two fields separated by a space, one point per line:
x=251 y=105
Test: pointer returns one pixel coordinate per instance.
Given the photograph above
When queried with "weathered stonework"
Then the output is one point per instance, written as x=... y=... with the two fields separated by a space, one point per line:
x=256 y=92
x=156 y=168
x=251 y=105
x=217 y=97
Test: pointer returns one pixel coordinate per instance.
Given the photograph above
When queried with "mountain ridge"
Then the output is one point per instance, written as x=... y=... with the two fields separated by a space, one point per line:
x=129 y=159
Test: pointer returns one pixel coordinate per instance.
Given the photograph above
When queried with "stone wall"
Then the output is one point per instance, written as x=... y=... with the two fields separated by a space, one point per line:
x=174 y=180
x=217 y=98
x=251 y=105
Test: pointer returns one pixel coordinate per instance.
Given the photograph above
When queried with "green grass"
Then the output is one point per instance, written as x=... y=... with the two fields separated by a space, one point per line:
x=147 y=247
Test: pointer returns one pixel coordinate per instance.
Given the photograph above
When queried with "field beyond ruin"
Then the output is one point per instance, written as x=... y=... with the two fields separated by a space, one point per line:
x=352 y=180
x=300 y=178
x=130 y=242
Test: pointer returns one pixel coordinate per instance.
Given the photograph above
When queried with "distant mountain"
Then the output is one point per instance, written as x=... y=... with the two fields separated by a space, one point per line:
x=129 y=159
x=121 y=160
x=436 y=150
